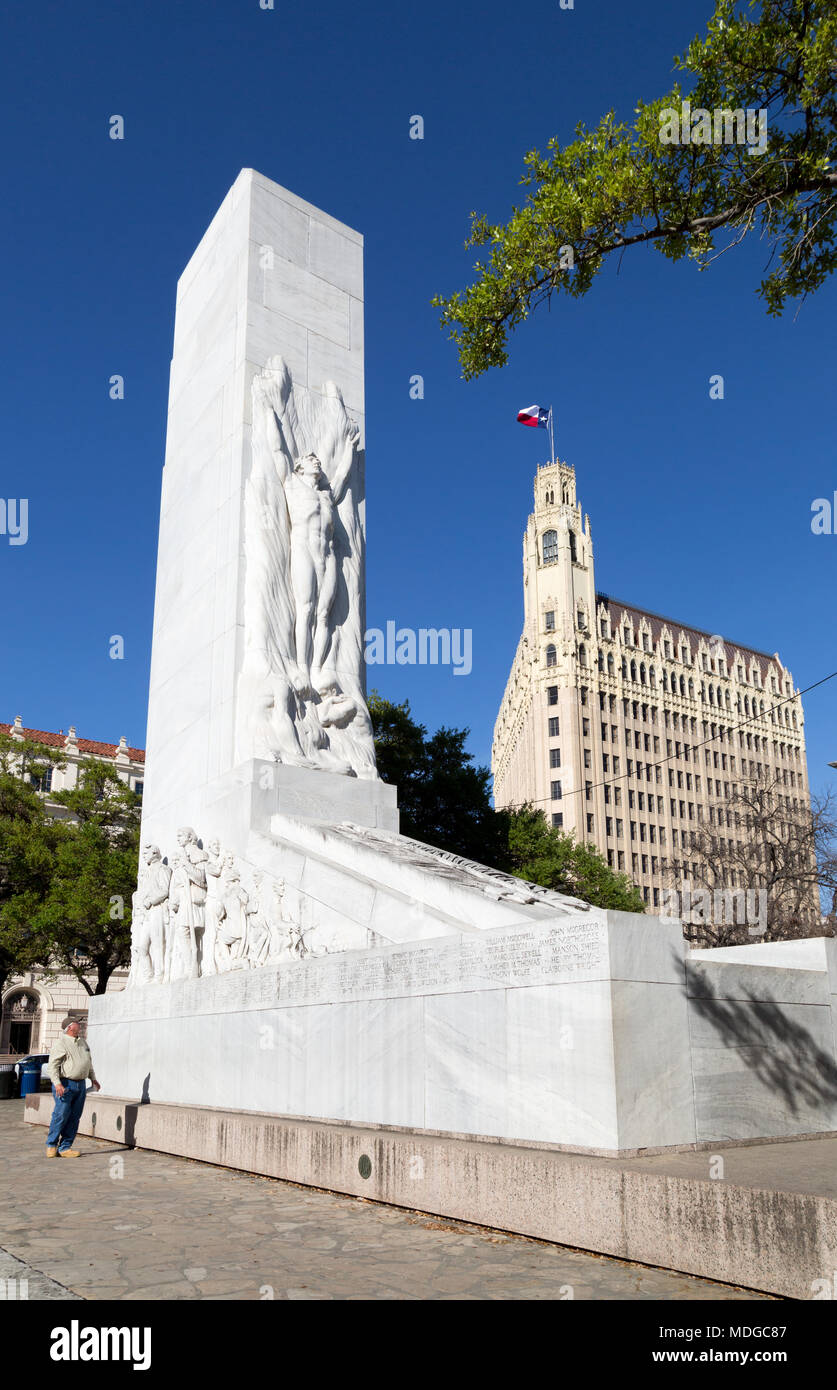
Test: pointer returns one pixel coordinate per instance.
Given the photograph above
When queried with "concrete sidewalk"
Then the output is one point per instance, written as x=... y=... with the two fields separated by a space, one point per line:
x=134 y=1224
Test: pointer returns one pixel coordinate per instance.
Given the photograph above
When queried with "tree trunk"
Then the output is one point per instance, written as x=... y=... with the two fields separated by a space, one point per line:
x=104 y=970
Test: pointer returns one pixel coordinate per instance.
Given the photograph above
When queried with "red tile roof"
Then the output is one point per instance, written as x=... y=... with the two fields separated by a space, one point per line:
x=85 y=745
x=617 y=610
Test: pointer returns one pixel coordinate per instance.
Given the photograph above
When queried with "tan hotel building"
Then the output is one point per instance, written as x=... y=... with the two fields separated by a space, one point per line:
x=621 y=724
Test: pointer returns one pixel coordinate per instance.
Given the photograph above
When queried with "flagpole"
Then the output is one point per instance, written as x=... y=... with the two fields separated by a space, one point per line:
x=551 y=437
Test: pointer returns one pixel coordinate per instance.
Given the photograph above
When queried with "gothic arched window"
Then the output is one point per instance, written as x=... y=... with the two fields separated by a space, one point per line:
x=573 y=547
x=550 y=547
x=551 y=658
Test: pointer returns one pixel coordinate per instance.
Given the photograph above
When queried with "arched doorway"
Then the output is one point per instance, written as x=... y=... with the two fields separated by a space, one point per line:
x=20 y=1024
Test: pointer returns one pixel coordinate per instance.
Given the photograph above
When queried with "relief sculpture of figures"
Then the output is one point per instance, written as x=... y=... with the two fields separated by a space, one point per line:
x=187 y=896
x=301 y=689
x=280 y=920
x=231 y=943
x=213 y=910
x=150 y=919
x=156 y=880
x=258 y=928
x=193 y=916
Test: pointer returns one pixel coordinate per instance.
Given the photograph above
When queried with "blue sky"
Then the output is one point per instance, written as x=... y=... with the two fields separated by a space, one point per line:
x=700 y=509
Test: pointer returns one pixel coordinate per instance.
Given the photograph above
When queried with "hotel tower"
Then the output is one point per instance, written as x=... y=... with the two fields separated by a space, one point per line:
x=622 y=725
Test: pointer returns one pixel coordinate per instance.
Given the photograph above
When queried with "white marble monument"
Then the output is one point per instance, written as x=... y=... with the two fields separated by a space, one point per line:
x=293 y=954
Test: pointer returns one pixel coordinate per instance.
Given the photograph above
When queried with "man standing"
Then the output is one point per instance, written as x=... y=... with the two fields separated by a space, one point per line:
x=70 y=1064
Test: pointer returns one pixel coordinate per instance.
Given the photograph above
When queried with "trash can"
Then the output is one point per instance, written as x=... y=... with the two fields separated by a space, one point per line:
x=30 y=1074
x=8 y=1080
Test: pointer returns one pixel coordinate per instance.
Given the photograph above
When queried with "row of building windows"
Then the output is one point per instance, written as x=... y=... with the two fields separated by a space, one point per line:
x=671 y=718
x=580 y=619
x=711 y=664
x=42 y=782
x=612 y=765
x=650 y=742
x=686 y=688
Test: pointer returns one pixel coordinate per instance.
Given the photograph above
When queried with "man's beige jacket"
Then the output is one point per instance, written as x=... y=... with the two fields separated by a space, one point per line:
x=70 y=1060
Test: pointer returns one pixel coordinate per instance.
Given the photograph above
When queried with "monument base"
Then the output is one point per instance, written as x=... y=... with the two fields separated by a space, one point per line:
x=562 y=1030
x=596 y=1030
x=770 y=1225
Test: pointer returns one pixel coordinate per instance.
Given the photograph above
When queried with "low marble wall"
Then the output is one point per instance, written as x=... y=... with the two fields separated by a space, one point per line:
x=572 y=1031
x=763 y=1041
x=595 y=1031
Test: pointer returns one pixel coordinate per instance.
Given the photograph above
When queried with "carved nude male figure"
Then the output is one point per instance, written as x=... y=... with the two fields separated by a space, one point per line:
x=312 y=499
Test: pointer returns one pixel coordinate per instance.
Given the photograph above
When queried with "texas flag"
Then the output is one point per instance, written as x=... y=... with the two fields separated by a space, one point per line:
x=535 y=416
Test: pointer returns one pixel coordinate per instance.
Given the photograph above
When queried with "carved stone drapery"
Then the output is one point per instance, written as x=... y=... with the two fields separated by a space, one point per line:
x=301 y=690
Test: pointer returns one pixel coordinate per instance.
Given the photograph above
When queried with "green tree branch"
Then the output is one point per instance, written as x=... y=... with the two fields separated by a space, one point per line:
x=619 y=186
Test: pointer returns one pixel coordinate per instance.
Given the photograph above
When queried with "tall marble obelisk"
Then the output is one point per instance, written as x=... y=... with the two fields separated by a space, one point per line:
x=273 y=295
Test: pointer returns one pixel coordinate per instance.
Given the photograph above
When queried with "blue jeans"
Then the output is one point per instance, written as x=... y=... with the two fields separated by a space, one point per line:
x=66 y=1115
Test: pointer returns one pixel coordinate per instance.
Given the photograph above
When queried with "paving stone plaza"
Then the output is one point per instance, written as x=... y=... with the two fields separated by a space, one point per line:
x=148 y=1226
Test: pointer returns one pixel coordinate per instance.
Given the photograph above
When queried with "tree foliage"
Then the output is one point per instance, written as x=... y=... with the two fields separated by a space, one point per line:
x=27 y=848
x=762 y=847
x=86 y=913
x=67 y=871
x=619 y=185
x=542 y=854
x=445 y=801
